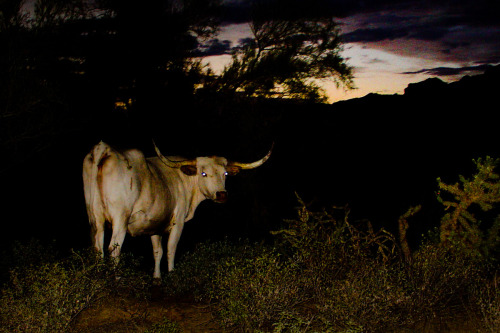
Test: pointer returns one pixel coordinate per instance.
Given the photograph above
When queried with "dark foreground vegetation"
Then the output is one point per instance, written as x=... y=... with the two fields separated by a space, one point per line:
x=322 y=273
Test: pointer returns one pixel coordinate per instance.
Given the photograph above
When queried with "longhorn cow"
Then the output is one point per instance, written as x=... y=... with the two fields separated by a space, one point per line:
x=150 y=196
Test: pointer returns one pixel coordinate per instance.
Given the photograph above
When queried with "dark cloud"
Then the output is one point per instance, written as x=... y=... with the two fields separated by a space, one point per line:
x=460 y=31
x=375 y=35
x=428 y=33
x=451 y=71
x=213 y=47
x=455 y=31
x=247 y=41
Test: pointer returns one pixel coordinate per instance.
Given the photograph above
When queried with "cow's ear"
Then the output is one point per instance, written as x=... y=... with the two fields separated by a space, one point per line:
x=189 y=170
x=232 y=170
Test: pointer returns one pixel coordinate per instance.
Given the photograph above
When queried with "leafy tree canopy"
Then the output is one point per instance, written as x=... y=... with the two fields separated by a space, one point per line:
x=294 y=45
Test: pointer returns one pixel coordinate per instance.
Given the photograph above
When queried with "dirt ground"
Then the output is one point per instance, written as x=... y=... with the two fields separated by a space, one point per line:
x=117 y=314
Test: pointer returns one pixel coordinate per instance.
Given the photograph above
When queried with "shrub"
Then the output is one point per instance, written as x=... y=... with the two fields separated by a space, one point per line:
x=348 y=270
x=370 y=298
x=328 y=246
x=439 y=281
x=324 y=274
x=25 y=254
x=195 y=270
x=486 y=296
x=46 y=296
x=254 y=293
x=460 y=225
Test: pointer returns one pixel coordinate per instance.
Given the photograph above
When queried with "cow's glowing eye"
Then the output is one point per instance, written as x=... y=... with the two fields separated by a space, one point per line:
x=226 y=173
x=204 y=174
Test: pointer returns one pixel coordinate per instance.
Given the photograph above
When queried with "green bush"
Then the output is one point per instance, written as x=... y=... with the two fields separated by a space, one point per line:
x=256 y=292
x=370 y=298
x=195 y=271
x=487 y=299
x=47 y=295
x=324 y=274
x=25 y=254
x=329 y=245
x=348 y=270
x=460 y=226
x=439 y=281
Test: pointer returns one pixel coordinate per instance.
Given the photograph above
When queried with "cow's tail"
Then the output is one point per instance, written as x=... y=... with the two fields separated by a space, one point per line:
x=91 y=179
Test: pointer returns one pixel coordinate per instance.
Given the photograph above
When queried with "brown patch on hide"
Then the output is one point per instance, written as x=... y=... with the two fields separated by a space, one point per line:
x=103 y=159
x=100 y=165
x=232 y=170
x=189 y=170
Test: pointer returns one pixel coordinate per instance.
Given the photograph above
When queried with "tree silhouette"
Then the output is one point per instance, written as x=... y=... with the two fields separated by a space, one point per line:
x=294 y=45
x=63 y=59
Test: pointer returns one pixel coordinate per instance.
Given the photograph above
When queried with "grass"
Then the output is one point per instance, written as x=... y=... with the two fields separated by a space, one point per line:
x=46 y=294
x=345 y=285
x=164 y=326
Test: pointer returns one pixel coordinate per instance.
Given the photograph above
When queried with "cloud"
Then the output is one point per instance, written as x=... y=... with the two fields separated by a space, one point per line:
x=250 y=41
x=379 y=26
x=374 y=35
x=449 y=31
x=377 y=61
x=213 y=47
x=450 y=71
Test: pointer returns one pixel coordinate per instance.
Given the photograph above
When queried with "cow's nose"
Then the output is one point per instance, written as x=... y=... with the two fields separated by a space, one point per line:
x=221 y=196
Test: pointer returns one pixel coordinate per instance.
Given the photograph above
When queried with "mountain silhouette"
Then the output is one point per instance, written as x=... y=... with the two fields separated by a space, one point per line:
x=383 y=153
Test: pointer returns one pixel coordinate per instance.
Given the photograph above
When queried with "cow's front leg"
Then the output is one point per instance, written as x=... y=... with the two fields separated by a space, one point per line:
x=173 y=240
x=158 y=253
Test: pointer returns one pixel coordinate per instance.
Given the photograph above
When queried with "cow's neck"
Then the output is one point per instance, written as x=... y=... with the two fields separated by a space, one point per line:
x=196 y=198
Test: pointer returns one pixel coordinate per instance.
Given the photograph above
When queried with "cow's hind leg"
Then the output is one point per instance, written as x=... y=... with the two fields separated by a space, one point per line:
x=158 y=253
x=117 y=238
x=98 y=236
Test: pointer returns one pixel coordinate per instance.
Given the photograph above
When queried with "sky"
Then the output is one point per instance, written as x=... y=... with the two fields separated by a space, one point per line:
x=392 y=43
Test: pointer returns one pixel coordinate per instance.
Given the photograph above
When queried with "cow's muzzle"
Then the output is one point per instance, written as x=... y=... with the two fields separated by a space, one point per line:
x=221 y=196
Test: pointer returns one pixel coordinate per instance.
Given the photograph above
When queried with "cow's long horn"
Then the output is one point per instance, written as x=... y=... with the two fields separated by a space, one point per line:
x=172 y=164
x=253 y=164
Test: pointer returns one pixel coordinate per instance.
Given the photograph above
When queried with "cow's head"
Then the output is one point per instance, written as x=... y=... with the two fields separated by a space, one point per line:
x=211 y=172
